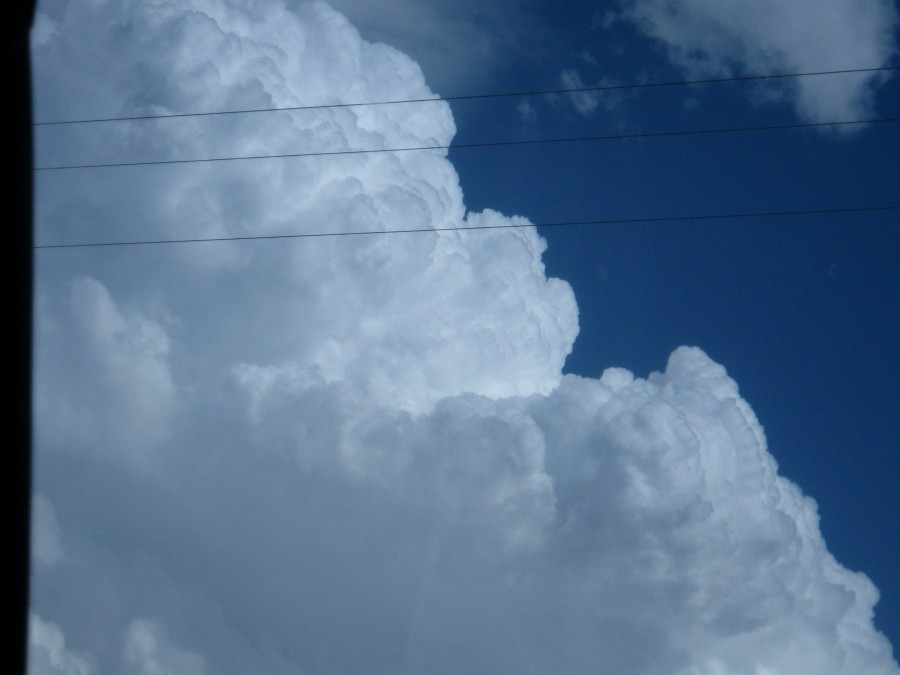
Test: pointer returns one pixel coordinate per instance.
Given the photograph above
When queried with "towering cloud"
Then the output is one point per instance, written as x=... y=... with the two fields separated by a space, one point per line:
x=716 y=38
x=358 y=454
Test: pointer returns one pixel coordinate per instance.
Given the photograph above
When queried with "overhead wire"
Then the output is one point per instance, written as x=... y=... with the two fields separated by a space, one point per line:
x=469 y=97
x=485 y=144
x=510 y=225
x=503 y=226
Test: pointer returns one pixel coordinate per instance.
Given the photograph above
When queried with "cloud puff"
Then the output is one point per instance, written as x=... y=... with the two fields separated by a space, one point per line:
x=124 y=398
x=715 y=38
x=47 y=653
x=587 y=102
x=146 y=652
x=46 y=545
x=359 y=454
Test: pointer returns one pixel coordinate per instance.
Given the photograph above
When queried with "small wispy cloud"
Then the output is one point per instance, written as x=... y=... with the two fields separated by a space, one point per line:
x=587 y=102
x=731 y=37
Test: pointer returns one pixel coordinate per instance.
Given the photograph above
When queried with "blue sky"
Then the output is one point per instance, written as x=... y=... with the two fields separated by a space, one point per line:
x=392 y=454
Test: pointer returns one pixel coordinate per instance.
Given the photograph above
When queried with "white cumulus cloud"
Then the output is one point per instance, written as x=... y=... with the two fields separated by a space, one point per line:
x=359 y=454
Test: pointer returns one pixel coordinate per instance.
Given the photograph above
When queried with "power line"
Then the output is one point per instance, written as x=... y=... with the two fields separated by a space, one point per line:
x=487 y=144
x=568 y=223
x=471 y=97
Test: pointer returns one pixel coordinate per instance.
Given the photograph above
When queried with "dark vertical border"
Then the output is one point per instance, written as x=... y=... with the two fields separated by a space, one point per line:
x=18 y=288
